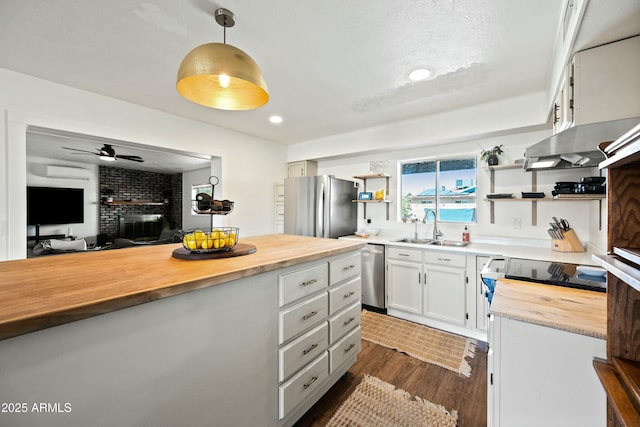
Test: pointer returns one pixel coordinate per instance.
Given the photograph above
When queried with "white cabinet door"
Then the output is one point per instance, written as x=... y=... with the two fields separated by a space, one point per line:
x=607 y=76
x=444 y=295
x=404 y=287
x=544 y=377
x=302 y=168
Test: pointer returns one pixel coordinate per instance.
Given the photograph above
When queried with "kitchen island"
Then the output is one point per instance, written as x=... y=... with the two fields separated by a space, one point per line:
x=136 y=337
x=542 y=342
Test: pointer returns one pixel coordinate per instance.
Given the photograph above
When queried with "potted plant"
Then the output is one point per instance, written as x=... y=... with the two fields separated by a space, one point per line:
x=108 y=192
x=491 y=155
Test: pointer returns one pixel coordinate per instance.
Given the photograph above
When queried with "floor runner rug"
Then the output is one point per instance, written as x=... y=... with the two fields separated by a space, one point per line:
x=430 y=345
x=377 y=403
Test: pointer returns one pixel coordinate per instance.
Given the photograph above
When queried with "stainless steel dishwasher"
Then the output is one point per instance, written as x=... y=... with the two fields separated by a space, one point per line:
x=373 y=280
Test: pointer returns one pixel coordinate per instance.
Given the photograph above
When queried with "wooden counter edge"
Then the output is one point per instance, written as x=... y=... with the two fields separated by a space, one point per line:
x=21 y=326
x=552 y=292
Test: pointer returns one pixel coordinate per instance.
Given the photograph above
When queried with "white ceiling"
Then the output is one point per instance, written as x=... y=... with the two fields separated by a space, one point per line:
x=331 y=66
x=50 y=144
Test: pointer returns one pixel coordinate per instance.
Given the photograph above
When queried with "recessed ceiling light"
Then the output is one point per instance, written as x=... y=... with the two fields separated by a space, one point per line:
x=275 y=119
x=419 y=74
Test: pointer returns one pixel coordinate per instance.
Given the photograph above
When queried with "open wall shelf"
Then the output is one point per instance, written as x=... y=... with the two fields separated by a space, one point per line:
x=135 y=203
x=534 y=188
x=386 y=200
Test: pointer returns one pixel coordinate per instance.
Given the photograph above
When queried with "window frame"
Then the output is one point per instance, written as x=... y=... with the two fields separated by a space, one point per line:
x=400 y=214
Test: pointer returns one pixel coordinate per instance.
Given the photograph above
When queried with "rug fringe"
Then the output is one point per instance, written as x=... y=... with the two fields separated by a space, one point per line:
x=377 y=402
x=406 y=395
x=469 y=351
x=453 y=413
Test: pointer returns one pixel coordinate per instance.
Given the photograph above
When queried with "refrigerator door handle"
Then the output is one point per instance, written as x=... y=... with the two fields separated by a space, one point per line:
x=320 y=206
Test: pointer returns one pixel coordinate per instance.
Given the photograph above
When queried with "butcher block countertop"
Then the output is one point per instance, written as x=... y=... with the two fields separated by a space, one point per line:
x=573 y=310
x=38 y=293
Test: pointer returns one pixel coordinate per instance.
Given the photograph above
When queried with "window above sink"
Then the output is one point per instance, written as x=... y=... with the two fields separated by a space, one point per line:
x=446 y=185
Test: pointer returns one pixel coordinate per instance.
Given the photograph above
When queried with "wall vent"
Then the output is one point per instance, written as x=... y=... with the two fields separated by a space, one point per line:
x=68 y=172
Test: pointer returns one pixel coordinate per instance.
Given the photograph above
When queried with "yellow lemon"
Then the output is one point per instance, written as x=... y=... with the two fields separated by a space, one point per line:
x=189 y=242
x=207 y=243
x=199 y=236
x=232 y=239
x=216 y=243
x=215 y=234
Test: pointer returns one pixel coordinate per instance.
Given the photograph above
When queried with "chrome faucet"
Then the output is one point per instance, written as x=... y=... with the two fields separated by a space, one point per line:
x=412 y=218
x=436 y=233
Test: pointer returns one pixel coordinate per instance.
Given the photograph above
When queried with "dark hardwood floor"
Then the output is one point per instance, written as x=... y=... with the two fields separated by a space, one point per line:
x=436 y=384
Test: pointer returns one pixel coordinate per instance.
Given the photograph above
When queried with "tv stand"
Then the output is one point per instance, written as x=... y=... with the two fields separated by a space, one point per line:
x=38 y=237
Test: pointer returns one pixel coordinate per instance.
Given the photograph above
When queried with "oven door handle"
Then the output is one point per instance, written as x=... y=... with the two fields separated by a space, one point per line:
x=491 y=271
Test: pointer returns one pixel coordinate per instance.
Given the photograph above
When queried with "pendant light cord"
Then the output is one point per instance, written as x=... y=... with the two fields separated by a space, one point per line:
x=224 y=31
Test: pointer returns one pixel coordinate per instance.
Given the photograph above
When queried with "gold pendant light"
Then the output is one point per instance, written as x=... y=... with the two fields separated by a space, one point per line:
x=222 y=76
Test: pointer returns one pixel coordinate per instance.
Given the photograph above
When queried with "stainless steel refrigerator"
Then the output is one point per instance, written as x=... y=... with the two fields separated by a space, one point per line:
x=320 y=206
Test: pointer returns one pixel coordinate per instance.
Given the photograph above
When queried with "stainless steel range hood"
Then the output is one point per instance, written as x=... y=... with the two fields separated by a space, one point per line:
x=577 y=146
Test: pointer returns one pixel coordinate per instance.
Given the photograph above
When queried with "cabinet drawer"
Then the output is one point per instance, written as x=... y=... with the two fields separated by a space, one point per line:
x=344 y=321
x=302 y=316
x=343 y=295
x=302 y=384
x=445 y=258
x=303 y=350
x=343 y=349
x=344 y=268
x=405 y=254
x=298 y=284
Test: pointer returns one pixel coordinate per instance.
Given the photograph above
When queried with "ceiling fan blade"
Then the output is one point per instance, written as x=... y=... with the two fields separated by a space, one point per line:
x=132 y=158
x=82 y=151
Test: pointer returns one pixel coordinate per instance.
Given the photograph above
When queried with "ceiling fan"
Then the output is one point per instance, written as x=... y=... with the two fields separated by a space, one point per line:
x=108 y=153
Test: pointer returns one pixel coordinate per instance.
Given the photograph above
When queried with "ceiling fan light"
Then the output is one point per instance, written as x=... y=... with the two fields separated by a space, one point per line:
x=108 y=158
x=219 y=75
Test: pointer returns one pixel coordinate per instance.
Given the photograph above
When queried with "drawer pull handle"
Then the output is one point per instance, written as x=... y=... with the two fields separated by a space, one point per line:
x=404 y=255
x=349 y=294
x=309 y=316
x=349 y=267
x=310 y=349
x=351 y=319
x=308 y=282
x=444 y=259
x=313 y=380
x=348 y=349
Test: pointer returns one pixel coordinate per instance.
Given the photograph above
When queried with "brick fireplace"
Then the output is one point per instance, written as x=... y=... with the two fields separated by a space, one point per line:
x=136 y=195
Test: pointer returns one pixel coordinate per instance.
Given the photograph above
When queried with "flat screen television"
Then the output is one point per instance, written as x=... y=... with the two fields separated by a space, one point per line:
x=51 y=205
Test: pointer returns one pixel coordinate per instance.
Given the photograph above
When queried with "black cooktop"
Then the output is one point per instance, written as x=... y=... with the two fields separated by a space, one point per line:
x=554 y=273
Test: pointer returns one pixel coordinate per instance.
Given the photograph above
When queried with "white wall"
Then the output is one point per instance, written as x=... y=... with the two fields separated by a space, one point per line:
x=445 y=128
x=583 y=216
x=250 y=166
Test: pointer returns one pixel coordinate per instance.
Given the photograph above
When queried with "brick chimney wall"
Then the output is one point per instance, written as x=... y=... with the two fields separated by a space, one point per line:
x=135 y=185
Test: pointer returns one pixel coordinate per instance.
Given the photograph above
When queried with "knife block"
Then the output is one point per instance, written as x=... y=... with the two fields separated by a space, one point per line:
x=569 y=243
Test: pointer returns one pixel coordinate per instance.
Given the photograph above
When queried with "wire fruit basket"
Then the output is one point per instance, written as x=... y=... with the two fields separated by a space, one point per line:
x=217 y=240
x=205 y=204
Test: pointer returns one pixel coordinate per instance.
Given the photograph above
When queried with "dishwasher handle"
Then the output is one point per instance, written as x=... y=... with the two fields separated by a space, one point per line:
x=373 y=250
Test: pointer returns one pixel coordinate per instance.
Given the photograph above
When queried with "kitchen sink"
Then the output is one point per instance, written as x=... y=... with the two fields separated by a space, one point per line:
x=450 y=243
x=415 y=241
x=454 y=243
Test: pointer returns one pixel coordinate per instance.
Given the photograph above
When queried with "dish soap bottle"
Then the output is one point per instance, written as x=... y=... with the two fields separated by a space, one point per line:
x=466 y=237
